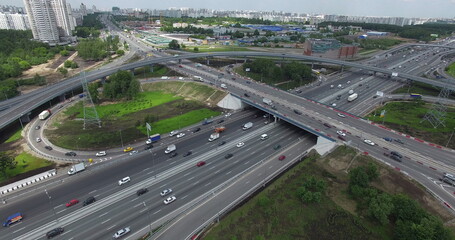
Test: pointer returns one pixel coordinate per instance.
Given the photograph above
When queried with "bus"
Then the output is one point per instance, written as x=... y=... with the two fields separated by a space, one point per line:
x=416 y=95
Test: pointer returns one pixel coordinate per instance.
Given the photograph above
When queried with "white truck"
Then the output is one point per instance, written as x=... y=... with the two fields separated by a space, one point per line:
x=214 y=136
x=352 y=97
x=44 y=114
x=247 y=125
x=76 y=168
x=267 y=101
x=170 y=149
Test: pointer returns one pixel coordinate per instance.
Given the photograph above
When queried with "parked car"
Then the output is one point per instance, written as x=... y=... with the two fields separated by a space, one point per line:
x=37 y=127
x=246 y=95
x=341 y=115
x=341 y=133
x=197 y=130
x=388 y=139
x=165 y=192
x=147 y=147
x=276 y=147
x=71 y=154
x=341 y=138
x=222 y=120
x=123 y=181
x=72 y=202
x=38 y=140
x=297 y=112
x=398 y=141
x=134 y=152
x=173 y=154
x=327 y=125
x=180 y=135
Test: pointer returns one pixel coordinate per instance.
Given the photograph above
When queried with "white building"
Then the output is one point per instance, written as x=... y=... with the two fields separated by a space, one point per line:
x=59 y=8
x=20 y=21
x=83 y=10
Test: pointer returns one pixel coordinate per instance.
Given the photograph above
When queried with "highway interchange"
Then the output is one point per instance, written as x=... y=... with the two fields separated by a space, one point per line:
x=192 y=182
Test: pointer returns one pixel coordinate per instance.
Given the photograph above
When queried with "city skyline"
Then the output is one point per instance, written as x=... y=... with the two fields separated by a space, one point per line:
x=391 y=8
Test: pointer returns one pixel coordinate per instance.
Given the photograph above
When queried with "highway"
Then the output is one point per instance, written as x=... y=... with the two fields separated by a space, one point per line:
x=154 y=170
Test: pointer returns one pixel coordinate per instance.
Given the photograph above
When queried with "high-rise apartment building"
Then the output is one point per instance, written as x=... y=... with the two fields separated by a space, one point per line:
x=50 y=20
x=83 y=9
x=14 y=21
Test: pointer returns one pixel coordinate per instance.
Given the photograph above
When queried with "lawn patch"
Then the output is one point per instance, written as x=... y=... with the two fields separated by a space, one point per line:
x=16 y=136
x=26 y=163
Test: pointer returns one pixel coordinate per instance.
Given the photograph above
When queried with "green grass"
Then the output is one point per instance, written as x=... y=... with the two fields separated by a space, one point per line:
x=26 y=162
x=144 y=100
x=451 y=70
x=187 y=119
x=407 y=118
x=216 y=48
x=16 y=136
x=277 y=214
x=422 y=88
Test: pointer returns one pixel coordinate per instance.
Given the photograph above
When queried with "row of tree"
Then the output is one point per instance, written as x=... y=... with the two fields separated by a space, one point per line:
x=408 y=219
x=97 y=49
x=91 y=26
x=291 y=71
x=120 y=85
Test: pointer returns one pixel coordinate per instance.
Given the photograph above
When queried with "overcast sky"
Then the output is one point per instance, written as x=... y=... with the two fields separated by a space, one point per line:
x=395 y=8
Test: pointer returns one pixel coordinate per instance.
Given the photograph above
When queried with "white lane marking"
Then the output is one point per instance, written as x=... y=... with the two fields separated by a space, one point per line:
x=104 y=214
x=207 y=184
x=105 y=221
x=228 y=173
x=270 y=167
x=184 y=197
x=143 y=210
x=157 y=212
x=247 y=182
x=212 y=168
x=61 y=205
x=172 y=163
x=66 y=232
x=237 y=161
x=110 y=227
x=162 y=186
x=186 y=174
x=132 y=200
x=60 y=211
x=246 y=163
x=150 y=172
x=190 y=178
x=217 y=171
x=92 y=192
x=196 y=183
x=20 y=229
x=139 y=204
x=145 y=169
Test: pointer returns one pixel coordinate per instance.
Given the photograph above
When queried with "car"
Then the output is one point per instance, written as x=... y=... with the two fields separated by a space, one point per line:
x=388 y=139
x=341 y=133
x=123 y=181
x=327 y=125
x=38 y=140
x=100 y=154
x=222 y=143
x=276 y=147
x=396 y=158
x=341 y=138
x=128 y=149
x=173 y=154
x=297 y=112
x=298 y=91
x=172 y=133
x=147 y=147
x=228 y=114
x=233 y=78
x=273 y=107
x=246 y=95
x=266 y=115
x=200 y=164
x=180 y=66
x=229 y=155
x=165 y=192
x=48 y=148
x=37 y=127
x=396 y=154
x=196 y=130
x=169 y=200
x=72 y=202
x=141 y=191
x=71 y=154
x=180 y=135
x=89 y=200
x=187 y=153
x=341 y=115
x=398 y=141
x=54 y=232
x=240 y=144
x=338 y=97
x=369 y=142
x=134 y=152
x=266 y=122
x=282 y=157
x=221 y=121
x=334 y=104
x=122 y=232
x=248 y=82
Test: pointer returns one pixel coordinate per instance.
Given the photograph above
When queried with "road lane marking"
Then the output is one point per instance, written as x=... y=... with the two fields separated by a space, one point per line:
x=190 y=178
x=157 y=212
x=150 y=172
x=103 y=222
x=143 y=210
x=113 y=226
x=186 y=174
x=212 y=168
x=60 y=211
x=184 y=197
x=196 y=183
x=104 y=214
x=139 y=204
x=207 y=184
x=246 y=163
x=20 y=229
x=92 y=192
x=132 y=200
x=228 y=172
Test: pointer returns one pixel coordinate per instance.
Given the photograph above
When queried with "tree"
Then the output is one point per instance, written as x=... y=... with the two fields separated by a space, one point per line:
x=6 y=162
x=380 y=208
x=63 y=71
x=183 y=46
x=256 y=32
x=93 y=90
x=196 y=49
x=120 y=52
x=39 y=80
x=174 y=45
x=74 y=65
x=121 y=85
x=64 y=52
x=67 y=63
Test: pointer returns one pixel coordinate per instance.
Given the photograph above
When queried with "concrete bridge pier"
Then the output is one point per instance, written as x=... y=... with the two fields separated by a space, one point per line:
x=151 y=67
x=231 y=102
x=324 y=146
x=208 y=61
x=25 y=118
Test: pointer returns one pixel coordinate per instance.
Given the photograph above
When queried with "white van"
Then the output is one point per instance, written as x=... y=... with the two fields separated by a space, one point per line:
x=264 y=136
x=175 y=132
x=223 y=86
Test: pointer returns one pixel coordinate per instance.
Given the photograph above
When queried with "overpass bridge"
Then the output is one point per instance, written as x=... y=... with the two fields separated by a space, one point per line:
x=16 y=107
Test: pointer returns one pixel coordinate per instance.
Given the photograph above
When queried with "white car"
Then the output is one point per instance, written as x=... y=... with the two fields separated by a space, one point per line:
x=369 y=142
x=165 y=192
x=240 y=144
x=341 y=133
x=173 y=133
x=341 y=115
x=122 y=232
x=228 y=115
x=38 y=139
x=123 y=181
x=169 y=200
x=180 y=135
x=134 y=152
x=100 y=154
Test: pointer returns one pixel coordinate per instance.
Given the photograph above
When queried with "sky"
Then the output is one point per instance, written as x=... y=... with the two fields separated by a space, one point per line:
x=392 y=8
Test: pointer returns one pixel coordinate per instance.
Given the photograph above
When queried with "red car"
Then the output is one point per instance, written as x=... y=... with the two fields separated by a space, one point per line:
x=200 y=164
x=342 y=138
x=72 y=202
x=282 y=157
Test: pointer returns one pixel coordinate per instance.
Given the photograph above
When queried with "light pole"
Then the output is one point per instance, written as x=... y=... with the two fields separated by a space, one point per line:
x=148 y=215
x=50 y=203
x=450 y=137
x=20 y=120
x=121 y=139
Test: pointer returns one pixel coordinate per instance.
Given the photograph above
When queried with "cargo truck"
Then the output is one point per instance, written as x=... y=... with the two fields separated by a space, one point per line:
x=153 y=138
x=44 y=114
x=17 y=217
x=220 y=129
x=267 y=101
x=198 y=78
x=352 y=97
x=170 y=149
x=214 y=136
x=247 y=125
x=76 y=168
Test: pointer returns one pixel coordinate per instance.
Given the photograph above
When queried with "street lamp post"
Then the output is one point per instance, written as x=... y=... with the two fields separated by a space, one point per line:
x=148 y=215
x=50 y=203
x=121 y=139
